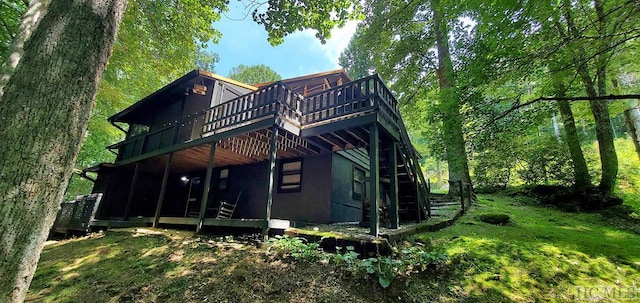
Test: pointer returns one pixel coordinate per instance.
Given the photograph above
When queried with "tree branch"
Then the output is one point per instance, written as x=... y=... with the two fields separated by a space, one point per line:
x=517 y=105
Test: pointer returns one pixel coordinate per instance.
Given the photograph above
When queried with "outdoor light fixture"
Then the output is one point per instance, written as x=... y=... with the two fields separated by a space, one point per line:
x=184 y=179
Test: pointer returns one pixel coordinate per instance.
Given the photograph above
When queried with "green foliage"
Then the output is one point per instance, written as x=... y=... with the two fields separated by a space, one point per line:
x=297 y=248
x=406 y=261
x=158 y=41
x=254 y=74
x=206 y=60
x=410 y=259
x=282 y=18
x=356 y=60
x=11 y=12
x=503 y=53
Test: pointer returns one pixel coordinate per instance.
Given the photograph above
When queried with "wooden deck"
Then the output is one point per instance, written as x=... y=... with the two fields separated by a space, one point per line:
x=331 y=120
x=275 y=123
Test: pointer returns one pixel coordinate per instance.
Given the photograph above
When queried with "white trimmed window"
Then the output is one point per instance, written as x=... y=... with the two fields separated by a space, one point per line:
x=290 y=176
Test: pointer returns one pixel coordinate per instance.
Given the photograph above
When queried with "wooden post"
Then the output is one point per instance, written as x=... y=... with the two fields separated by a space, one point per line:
x=134 y=182
x=418 y=194
x=374 y=180
x=207 y=186
x=393 y=185
x=163 y=189
x=273 y=149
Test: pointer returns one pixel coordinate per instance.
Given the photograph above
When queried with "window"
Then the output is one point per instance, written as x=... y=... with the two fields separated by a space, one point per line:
x=223 y=180
x=290 y=176
x=359 y=179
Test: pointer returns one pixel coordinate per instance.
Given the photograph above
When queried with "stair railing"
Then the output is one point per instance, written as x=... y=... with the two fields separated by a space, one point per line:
x=409 y=154
x=465 y=192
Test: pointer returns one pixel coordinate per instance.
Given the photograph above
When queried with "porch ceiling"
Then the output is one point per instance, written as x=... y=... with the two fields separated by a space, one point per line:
x=242 y=149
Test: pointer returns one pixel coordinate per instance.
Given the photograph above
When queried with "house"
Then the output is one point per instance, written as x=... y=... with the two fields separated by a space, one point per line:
x=210 y=151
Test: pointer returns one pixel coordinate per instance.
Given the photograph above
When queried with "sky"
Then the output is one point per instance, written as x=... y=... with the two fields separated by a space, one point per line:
x=245 y=42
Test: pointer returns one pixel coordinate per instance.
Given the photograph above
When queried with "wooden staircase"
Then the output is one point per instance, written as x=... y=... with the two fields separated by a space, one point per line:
x=443 y=204
x=413 y=191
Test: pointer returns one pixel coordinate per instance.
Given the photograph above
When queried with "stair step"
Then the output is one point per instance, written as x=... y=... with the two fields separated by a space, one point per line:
x=444 y=203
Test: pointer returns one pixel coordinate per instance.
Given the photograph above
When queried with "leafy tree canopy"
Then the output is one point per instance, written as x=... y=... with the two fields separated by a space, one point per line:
x=254 y=74
x=11 y=12
x=282 y=18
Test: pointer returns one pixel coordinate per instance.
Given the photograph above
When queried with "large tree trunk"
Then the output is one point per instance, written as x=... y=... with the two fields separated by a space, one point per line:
x=599 y=109
x=581 y=172
x=604 y=133
x=44 y=113
x=449 y=104
x=32 y=16
x=632 y=119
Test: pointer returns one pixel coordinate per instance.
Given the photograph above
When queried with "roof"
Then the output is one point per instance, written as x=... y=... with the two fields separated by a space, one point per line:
x=336 y=72
x=225 y=79
x=172 y=87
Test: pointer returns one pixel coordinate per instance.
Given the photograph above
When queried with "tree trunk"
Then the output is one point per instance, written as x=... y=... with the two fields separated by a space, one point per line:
x=604 y=133
x=449 y=104
x=599 y=109
x=44 y=113
x=32 y=16
x=632 y=119
x=580 y=170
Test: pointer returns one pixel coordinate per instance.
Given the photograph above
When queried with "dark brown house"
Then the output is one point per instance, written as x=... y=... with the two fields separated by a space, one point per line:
x=209 y=151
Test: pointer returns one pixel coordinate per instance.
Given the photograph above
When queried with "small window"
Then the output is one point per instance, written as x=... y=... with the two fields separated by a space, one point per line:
x=223 y=180
x=359 y=179
x=290 y=176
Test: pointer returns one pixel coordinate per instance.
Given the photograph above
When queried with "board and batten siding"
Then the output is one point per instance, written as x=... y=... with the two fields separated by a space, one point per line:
x=311 y=204
x=344 y=208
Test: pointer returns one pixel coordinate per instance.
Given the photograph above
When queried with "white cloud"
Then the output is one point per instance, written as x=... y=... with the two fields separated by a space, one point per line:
x=339 y=40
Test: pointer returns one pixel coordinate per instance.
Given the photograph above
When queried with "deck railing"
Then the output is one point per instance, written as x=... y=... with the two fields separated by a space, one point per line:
x=160 y=138
x=264 y=103
x=343 y=100
x=359 y=97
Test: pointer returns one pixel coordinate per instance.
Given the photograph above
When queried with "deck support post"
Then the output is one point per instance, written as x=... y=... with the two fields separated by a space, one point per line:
x=207 y=185
x=134 y=182
x=393 y=185
x=418 y=197
x=374 y=180
x=273 y=149
x=163 y=189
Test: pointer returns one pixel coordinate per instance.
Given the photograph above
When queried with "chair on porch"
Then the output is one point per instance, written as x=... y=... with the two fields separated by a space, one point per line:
x=226 y=208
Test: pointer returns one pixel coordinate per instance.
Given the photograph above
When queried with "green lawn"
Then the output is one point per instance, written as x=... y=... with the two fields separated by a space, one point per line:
x=542 y=255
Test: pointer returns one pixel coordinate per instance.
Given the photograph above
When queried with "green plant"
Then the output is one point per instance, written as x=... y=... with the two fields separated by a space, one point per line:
x=297 y=248
x=412 y=259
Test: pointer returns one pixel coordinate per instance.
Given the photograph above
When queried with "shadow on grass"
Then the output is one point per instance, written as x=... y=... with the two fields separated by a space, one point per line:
x=126 y=266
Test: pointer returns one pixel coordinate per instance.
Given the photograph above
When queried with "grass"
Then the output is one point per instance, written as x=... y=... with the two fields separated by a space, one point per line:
x=144 y=265
x=543 y=254
x=628 y=186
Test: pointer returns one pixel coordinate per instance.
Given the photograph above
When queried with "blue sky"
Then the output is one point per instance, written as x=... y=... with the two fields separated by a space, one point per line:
x=245 y=42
